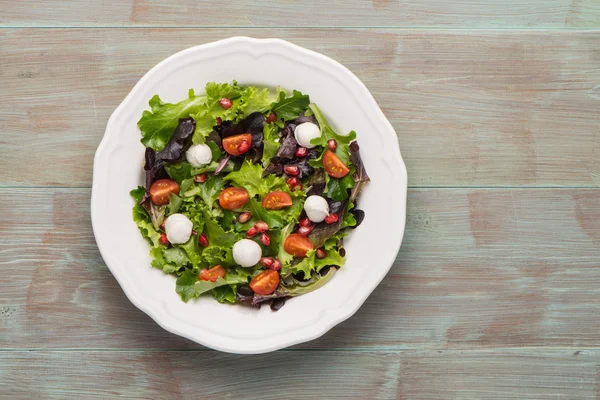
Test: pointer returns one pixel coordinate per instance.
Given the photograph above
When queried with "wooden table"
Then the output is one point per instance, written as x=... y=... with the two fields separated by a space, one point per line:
x=495 y=292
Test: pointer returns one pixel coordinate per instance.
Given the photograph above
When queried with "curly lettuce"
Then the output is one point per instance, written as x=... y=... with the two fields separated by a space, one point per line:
x=288 y=108
x=250 y=177
x=142 y=219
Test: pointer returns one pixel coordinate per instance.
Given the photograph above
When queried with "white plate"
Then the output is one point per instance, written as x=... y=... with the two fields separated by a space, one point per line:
x=370 y=249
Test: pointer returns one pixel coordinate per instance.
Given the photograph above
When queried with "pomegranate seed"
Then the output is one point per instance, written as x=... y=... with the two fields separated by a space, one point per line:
x=321 y=253
x=292 y=170
x=298 y=187
x=276 y=265
x=271 y=118
x=261 y=226
x=265 y=239
x=226 y=103
x=245 y=217
x=251 y=232
x=332 y=144
x=301 y=152
x=331 y=218
x=219 y=121
x=305 y=222
x=293 y=182
x=244 y=147
x=163 y=239
x=201 y=178
x=305 y=230
x=202 y=240
x=267 y=261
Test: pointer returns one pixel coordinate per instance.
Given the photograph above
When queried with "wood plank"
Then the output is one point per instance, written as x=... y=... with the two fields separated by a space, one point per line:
x=471 y=108
x=477 y=269
x=500 y=374
x=309 y=13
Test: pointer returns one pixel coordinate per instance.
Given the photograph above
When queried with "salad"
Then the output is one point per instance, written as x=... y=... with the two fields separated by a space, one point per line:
x=248 y=193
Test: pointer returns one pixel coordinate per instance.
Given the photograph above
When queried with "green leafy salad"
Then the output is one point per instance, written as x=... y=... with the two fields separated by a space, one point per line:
x=248 y=193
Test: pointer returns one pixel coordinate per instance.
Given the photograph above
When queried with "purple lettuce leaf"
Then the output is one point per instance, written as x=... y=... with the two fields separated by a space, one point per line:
x=222 y=163
x=173 y=152
x=323 y=231
x=303 y=118
x=252 y=124
x=360 y=176
x=287 y=143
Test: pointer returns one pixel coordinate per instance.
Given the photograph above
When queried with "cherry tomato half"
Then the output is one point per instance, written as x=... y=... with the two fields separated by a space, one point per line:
x=297 y=245
x=233 y=198
x=212 y=274
x=265 y=283
x=160 y=191
x=334 y=166
x=235 y=146
x=276 y=201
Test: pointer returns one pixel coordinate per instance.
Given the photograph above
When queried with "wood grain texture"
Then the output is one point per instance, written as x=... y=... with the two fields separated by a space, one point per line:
x=427 y=375
x=494 y=293
x=478 y=269
x=470 y=108
x=310 y=13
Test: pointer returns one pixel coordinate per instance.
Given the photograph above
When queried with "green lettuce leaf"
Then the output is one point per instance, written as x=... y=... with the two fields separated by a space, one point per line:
x=292 y=213
x=188 y=286
x=277 y=239
x=212 y=109
x=333 y=255
x=327 y=133
x=289 y=108
x=184 y=170
x=195 y=211
x=142 y=219
x=254 y=100
x=271 y=138
x=208 y=191
x=179 y=172
x=176 y=256
x=218 y=255
x=158 y=125
x=174 y=204
x=225 y=293
x=159 y=261
x=306 y=265
x=138 y=194
x=249 y=177
x=185 y=185
x=192 y=250
x=211 y=189
x=337 y=189
x=348 y=220
x=227 y=220
x=216 y=235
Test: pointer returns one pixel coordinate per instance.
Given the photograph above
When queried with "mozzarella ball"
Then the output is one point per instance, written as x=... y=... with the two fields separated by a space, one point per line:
x=246 y=253
x=178 y=228
x=306 y=132
x=199 y=155
x=316 y=208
